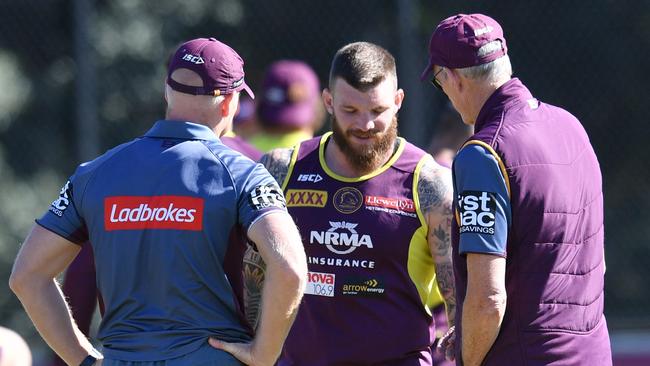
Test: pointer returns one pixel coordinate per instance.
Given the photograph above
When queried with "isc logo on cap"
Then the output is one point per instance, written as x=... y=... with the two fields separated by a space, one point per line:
x=477 y=212
x=197 y=60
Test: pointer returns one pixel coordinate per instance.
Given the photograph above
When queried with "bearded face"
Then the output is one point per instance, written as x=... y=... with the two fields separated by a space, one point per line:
x=365 y=157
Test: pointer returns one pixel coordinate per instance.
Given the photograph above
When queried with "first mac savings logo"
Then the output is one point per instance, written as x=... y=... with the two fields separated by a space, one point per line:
x=63 y=201
x=477 y=210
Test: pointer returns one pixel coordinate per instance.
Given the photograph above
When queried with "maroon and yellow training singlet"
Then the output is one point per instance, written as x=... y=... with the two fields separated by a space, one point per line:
x=371 y=275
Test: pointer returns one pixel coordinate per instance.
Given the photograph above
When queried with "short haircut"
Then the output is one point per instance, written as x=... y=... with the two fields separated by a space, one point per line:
x=491 y=71
x=363 y=65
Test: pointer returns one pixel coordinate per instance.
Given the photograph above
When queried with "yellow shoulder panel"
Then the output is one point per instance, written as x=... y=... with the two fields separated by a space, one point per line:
x=489 y=148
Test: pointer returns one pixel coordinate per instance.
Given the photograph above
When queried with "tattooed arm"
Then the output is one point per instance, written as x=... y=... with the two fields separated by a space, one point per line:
x=277 y=163
x=435 y=194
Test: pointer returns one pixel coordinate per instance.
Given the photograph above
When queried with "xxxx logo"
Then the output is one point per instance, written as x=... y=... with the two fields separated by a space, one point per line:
x=306 y=198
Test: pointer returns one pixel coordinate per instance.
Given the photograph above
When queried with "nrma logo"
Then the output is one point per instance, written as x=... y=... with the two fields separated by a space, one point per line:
x=341 y=238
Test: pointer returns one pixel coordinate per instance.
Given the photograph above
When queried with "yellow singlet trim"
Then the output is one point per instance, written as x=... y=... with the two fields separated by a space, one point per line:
x=420 y=265
x=292 y=163
x=328 y=171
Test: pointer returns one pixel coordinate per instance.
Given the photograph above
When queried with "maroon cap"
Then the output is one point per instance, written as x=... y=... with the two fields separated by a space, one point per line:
x=456 y=41
x=290 y=94
x=218 y=65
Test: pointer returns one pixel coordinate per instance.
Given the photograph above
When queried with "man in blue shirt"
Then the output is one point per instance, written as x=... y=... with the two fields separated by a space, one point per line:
x=166 y=215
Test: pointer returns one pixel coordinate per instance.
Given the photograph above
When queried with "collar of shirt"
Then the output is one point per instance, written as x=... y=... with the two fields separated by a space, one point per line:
x=512 y=92
x=181 y=130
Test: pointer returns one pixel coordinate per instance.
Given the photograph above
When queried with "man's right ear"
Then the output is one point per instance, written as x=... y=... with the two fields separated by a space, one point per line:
x=328 y=101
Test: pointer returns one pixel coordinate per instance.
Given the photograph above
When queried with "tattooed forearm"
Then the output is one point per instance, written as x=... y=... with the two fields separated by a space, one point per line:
x=440 y=244
x=277 y=163
x=254 y=269
x=435 y=197
x=445 y=280
x=441 y=239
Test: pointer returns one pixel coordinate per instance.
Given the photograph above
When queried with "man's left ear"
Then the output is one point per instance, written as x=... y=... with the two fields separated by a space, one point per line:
x=399 y=98
x=226 y=104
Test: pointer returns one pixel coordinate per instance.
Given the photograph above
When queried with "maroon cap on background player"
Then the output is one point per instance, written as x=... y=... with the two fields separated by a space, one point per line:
x=290 y=93
x=456 y=41
x=218 y=65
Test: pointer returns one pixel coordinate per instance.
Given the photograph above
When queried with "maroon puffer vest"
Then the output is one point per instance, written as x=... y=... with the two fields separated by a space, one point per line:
x=555 y=265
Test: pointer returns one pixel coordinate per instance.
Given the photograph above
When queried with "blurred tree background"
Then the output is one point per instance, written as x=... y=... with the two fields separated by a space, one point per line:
x=79 y=76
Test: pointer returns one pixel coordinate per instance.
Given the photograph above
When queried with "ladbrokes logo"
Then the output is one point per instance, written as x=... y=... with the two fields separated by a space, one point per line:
x=153 y=212
x=306 y=198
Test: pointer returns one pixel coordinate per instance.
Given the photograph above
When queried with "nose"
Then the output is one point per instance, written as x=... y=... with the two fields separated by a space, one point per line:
x=367 y=122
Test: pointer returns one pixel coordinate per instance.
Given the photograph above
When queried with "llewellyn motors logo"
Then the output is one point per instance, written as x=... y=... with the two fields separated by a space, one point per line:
x=400 y=206
x=153 y=212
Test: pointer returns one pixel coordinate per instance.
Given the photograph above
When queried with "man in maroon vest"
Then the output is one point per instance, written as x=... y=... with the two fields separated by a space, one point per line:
x=528 y=226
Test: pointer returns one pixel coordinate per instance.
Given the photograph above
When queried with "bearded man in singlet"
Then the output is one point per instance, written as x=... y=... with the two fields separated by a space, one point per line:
x=374 y=214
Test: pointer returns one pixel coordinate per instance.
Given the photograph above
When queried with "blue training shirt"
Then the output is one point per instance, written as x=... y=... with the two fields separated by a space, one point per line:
x=482 y=202
x=166 y=215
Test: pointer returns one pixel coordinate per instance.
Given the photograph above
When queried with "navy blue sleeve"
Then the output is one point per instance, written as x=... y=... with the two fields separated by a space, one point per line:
x=63 y=217
x=482 y=202
x=260 y=195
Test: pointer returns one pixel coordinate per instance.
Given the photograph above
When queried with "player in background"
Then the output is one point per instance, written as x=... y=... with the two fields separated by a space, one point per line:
x=374 y=213
x=160 y=213
x=528 y=226
x=288 y=109
x=450 y=134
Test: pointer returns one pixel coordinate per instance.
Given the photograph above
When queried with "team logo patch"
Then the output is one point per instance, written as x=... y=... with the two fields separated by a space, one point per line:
x=306 y=198
x=360 y=287
x=401 y=206
x=153 y=212
x=63 y=201
x=477 y=212
x=347 y=200
x=320 y=284
x=267 y=195
x=341 y=238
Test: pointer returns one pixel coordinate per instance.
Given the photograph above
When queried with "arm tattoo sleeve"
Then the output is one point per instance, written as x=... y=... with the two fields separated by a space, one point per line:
x=254 y=269
x=277 y=163
x=435 y=196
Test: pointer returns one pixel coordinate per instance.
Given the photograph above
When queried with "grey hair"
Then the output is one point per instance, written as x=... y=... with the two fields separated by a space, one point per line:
x=491 y=71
